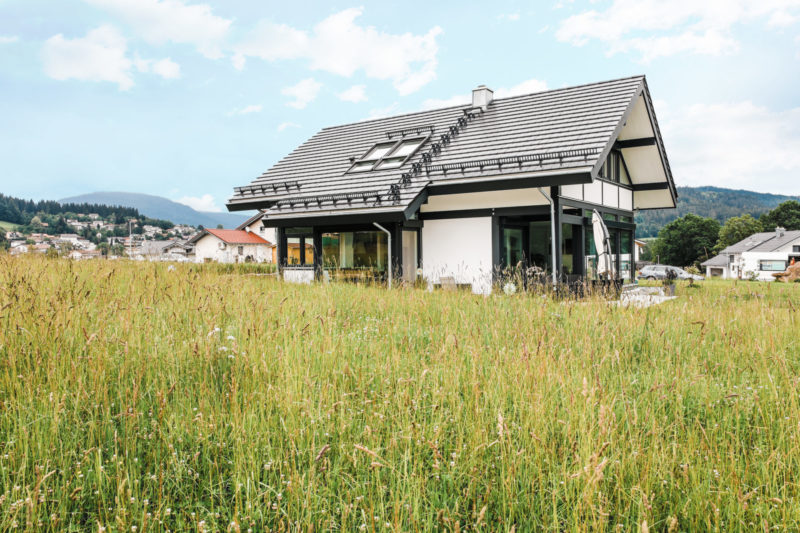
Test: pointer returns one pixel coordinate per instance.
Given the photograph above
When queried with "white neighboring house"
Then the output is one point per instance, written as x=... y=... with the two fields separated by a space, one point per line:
x=757 y=257
x=231 y=246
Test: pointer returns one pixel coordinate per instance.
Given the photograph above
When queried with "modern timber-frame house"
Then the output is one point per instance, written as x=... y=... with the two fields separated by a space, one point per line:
x=466 y=191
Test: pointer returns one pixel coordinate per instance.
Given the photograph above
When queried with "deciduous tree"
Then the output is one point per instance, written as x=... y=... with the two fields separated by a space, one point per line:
x=686 y=241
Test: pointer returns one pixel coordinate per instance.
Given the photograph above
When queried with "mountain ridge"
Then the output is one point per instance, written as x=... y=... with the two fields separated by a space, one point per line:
x=718 y=203
x=160 y=207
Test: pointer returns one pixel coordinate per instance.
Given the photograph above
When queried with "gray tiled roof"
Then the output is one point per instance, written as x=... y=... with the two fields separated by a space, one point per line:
x=768 y=241
x=776 y=241
x=562 y=130
x=716 y=261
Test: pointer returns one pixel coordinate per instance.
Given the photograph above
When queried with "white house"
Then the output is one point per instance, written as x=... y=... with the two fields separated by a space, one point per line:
x=757 y=257
x=231 y=246
x=468 y=193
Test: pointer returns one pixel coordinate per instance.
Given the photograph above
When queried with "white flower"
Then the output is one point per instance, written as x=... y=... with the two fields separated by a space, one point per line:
x=509 y=288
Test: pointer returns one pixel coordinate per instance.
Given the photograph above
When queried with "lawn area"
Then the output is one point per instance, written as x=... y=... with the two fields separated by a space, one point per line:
x=135 y=395
x=8 y=226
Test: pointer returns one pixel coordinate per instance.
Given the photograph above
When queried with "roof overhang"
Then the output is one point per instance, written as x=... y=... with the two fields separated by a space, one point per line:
x=512 y=181
x=639 y=140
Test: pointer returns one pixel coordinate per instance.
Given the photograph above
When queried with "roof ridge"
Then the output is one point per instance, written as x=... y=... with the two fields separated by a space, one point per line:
x=469 y=104
x=581 y=86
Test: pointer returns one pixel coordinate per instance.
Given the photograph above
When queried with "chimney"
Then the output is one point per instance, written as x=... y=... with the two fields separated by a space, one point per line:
x=482 y=97
x=779 y=231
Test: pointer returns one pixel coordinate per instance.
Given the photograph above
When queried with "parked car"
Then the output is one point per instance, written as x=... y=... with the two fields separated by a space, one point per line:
x=663 y=272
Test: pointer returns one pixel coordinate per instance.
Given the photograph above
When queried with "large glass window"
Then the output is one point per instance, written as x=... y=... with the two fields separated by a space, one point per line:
x=387 y=155
x=626 y=257
x=540 y=245
x=299 y=247
x=772 y=265
x=513 y=246
x=355 y=250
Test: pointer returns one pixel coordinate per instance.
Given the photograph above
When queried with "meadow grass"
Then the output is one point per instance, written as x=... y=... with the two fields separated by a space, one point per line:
x=8 y=226
x=142 y=397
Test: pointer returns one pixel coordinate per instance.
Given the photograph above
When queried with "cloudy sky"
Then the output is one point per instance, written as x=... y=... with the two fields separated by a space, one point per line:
x=189 y=98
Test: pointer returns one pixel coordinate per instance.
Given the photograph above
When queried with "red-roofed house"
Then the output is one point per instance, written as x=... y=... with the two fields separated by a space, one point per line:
x=231 y=246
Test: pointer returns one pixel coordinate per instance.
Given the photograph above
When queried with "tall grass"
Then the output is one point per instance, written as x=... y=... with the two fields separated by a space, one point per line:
x=135 y=397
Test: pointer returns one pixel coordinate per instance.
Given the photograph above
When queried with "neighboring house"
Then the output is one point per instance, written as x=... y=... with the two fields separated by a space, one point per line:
x=256 y=225
x=231 y=246
x=71 y=238
x=172 y=250
x=758 y=256
x=465 y=191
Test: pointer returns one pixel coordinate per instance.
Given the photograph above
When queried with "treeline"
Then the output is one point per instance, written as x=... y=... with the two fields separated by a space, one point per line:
x=712 y=202
x=692 y=239
x=19 y=211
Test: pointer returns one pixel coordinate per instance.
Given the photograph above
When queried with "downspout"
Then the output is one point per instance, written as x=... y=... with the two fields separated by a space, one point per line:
x=389 y=251
x=552 y=234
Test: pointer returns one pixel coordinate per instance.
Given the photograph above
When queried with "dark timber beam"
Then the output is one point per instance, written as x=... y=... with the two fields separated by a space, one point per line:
x=635 y=143
x=658 y=186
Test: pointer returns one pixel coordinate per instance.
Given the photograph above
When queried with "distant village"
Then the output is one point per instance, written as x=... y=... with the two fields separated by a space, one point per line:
x=92 y=236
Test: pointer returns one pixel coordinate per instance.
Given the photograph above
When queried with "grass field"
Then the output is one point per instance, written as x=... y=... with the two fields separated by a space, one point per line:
x=8 y=226
x=138 y=398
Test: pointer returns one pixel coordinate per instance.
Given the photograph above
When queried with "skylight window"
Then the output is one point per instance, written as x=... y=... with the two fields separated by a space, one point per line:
x=388 y=155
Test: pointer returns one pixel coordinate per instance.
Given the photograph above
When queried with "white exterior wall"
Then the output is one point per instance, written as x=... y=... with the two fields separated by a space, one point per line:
x=461 y=248
x=208 y=247
x=749 y=263
x=298 y=275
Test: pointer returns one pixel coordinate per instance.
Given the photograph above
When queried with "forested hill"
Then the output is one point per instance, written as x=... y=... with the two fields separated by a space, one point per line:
x=714 y=202
x=19 y=211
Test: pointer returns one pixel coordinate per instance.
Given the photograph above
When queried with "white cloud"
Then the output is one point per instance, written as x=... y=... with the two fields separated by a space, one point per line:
x=284 y=125
x=100 y=56
x=246 y=110
x=7 y=39
x=653 y=28
x=511 y=17
x=354 y=94
x=200 y=203
x=387 y=111
x=303 y=93
x=340 y=46
x=525 y=87
x=166 y=68
x=160 y=21
x=738 y=145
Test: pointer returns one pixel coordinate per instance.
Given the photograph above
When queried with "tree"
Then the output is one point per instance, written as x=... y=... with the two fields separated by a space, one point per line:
x=736 y=229
x=686 y=241
x=104 y=248
x=786 y=215
x=220 y=226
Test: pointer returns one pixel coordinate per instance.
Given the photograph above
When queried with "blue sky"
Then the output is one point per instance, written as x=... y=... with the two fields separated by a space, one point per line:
x=189 y=98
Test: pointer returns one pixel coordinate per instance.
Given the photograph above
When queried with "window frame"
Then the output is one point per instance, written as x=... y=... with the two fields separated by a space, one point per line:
x=376 y=163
